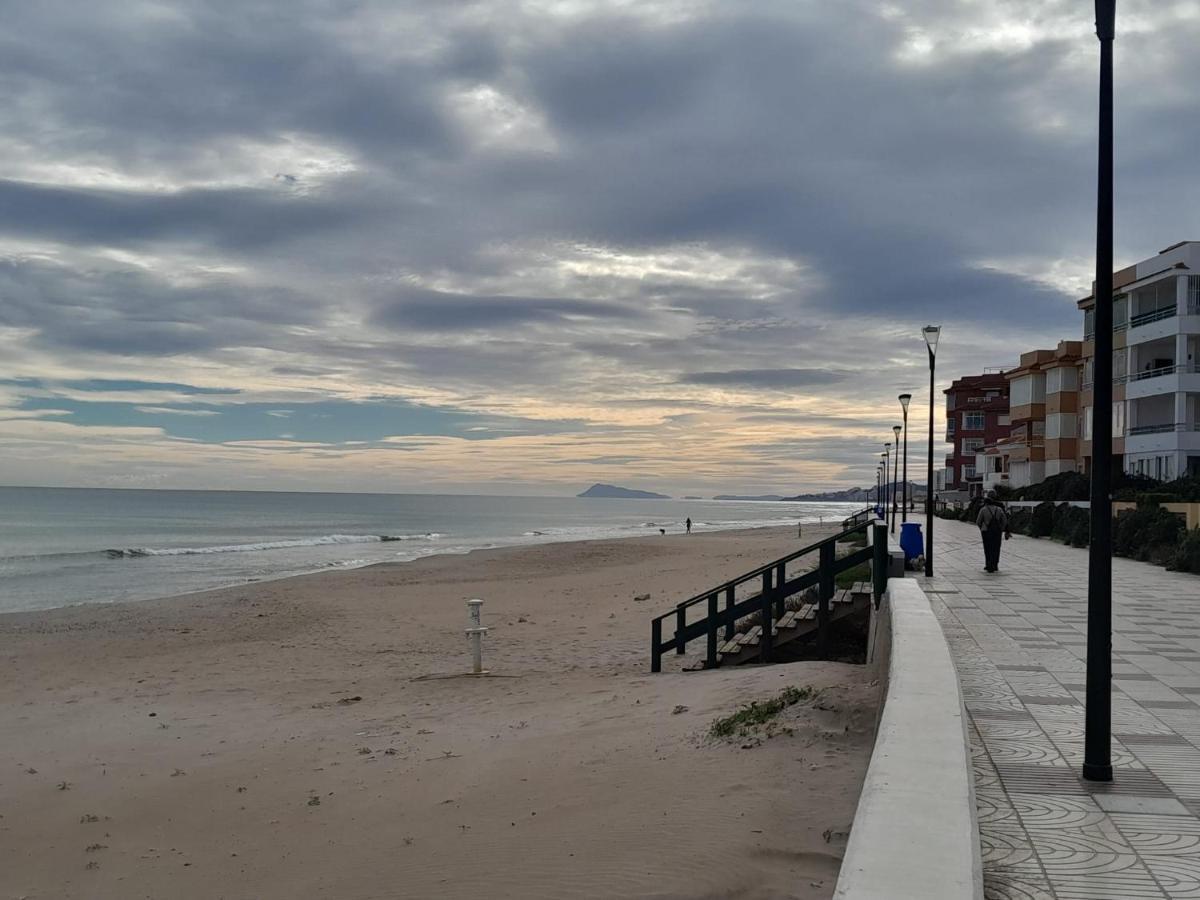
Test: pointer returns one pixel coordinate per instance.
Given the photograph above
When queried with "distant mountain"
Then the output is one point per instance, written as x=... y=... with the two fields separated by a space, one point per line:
x=850 y=495
x=764 y=497
x=611 y=490
x=856 y=495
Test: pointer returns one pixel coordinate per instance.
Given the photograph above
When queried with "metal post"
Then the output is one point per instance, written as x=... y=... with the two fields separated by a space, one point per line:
x=680 y=625
x=780 y=578
x=904 y=401
x=656 y=645
x=931 y=333
x=1097 y=750
x=711 y=659
x=895 y=476
x=729 y=604
x=767 y=639
x=879 y=570
x=475 y=632
x=825 y=590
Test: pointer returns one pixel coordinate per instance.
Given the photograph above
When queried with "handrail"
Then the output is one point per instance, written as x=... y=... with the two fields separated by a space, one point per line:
x=769 y=601
x=1155 y=315
x=761 y=570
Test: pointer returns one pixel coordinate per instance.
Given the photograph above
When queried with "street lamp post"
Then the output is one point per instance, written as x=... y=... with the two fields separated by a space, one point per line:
x=1097 y=749
x=887 y=468
x=895 y=475
x=905 y=399
x=931 y=334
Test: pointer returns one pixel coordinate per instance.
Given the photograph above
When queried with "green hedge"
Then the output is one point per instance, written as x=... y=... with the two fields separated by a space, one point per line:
x=1148 y=533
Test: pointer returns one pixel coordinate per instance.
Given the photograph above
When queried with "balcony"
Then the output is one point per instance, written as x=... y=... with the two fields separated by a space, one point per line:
x=1156 y=315
x=1166 y=379
x=1163 y=436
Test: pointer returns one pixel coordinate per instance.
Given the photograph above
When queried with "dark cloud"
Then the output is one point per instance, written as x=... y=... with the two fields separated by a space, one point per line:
x=439 y=311
x=772 y=379
x=604 y=208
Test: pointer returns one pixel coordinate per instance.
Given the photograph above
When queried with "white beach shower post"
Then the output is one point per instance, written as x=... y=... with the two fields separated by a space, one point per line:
x=475 y=633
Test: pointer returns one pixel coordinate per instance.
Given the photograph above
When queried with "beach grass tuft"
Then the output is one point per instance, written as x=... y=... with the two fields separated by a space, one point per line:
x=759 y=712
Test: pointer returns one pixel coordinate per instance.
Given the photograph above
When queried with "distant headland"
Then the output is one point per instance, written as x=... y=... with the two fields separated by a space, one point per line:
x=609 y=491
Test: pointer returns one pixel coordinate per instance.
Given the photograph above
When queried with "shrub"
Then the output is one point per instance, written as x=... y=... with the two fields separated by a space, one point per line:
x=1019 y=520
x=1148 y=533
x=1187 y=554
x=1041 y=520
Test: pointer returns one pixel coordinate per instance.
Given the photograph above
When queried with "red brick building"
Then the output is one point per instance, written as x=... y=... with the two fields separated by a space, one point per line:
x=976 y=415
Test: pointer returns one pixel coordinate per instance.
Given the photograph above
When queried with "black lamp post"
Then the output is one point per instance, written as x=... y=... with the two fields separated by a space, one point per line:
x=887 y=468
x=1097 y=749
x=905 y=399
x=931 y=334
x=895 y=475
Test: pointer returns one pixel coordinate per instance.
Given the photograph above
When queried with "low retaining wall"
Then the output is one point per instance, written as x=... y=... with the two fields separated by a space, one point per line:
x=916 y=832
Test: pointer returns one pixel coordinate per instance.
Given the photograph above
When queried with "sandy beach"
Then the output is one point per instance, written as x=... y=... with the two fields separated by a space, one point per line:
x=297 y=739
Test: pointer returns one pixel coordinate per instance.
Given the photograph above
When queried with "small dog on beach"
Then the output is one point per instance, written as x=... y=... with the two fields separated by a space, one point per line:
x=662 y=531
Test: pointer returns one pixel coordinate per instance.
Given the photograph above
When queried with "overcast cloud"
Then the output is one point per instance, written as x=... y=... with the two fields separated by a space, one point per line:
x=502 y=246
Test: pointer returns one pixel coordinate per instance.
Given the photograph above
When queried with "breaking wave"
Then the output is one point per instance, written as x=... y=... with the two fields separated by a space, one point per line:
x=135 y=552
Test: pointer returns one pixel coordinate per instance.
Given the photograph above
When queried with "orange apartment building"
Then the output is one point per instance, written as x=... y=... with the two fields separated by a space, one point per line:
x=1044 y=404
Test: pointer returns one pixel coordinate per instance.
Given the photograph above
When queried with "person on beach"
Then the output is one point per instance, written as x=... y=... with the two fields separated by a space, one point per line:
x=993 y=527
x=688 y=523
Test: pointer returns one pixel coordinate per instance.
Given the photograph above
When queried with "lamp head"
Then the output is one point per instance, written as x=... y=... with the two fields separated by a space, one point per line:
x=905 y=399
x=896 y=431
x=931 y=334
x=887 y=445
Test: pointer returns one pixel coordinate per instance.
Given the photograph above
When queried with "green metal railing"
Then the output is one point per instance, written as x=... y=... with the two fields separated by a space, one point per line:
x=722 y=609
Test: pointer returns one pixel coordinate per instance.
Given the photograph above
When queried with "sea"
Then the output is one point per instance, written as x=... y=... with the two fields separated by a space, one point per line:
x=70 y=546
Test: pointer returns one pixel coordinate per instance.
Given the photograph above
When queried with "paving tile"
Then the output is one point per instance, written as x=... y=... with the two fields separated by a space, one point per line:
x=1019 y=644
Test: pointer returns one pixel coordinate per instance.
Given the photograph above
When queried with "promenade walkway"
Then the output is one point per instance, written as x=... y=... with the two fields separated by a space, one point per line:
x=1019 y=642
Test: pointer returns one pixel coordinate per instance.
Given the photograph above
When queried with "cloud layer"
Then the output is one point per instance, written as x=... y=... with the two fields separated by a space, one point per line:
x=519 y=246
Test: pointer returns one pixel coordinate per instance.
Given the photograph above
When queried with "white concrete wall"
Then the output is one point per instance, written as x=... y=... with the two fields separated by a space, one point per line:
x=916 y=831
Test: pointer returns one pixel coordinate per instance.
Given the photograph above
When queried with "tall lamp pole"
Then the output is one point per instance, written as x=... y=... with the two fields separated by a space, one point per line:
x=895 y=475
x=905 y=399
x=887 y=468
x=931 y=334
x=1097 y=750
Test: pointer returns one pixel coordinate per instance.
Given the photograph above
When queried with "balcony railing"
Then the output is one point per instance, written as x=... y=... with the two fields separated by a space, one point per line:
x=1165 y=370
x=1155 y=316
x=1164 y=429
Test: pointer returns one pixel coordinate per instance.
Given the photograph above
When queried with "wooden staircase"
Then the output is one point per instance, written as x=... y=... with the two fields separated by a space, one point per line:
x=793 y=625
x=714 y=616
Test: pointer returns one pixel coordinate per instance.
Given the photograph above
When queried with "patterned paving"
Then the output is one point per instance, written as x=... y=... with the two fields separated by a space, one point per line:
x=1019 y=641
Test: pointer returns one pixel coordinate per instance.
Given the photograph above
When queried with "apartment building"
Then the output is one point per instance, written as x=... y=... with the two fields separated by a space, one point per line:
x=1042 y=439
x=976 y=415
x=1156 y=380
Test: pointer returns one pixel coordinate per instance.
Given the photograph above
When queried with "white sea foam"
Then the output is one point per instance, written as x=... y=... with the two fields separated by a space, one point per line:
x=323 y=540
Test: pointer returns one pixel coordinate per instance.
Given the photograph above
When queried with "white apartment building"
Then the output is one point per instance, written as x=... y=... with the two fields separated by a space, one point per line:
x=1156 y=324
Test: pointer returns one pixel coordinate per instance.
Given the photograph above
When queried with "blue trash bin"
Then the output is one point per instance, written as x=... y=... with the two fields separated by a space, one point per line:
x=911 y=540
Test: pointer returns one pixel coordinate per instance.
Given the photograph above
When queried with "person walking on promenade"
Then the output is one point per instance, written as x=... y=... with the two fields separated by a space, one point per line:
x=993 y=527
x=688 y=523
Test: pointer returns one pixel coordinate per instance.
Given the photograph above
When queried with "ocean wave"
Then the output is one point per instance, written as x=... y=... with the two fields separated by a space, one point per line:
x=136 y=552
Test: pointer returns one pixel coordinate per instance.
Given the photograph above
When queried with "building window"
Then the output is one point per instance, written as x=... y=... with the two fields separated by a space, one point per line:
x=1193 y=294
x=950 y=427
x=973 y=421
x=949 y=402
x=1118 y=418
x=1120 y=311
x=1087 y=423
x=968 y=472
x=1089 y=323
x=1119 y=359
x=1088 y=371
x=970 y=445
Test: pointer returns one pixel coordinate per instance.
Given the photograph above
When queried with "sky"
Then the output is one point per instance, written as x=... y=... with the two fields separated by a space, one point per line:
x=521 y=247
